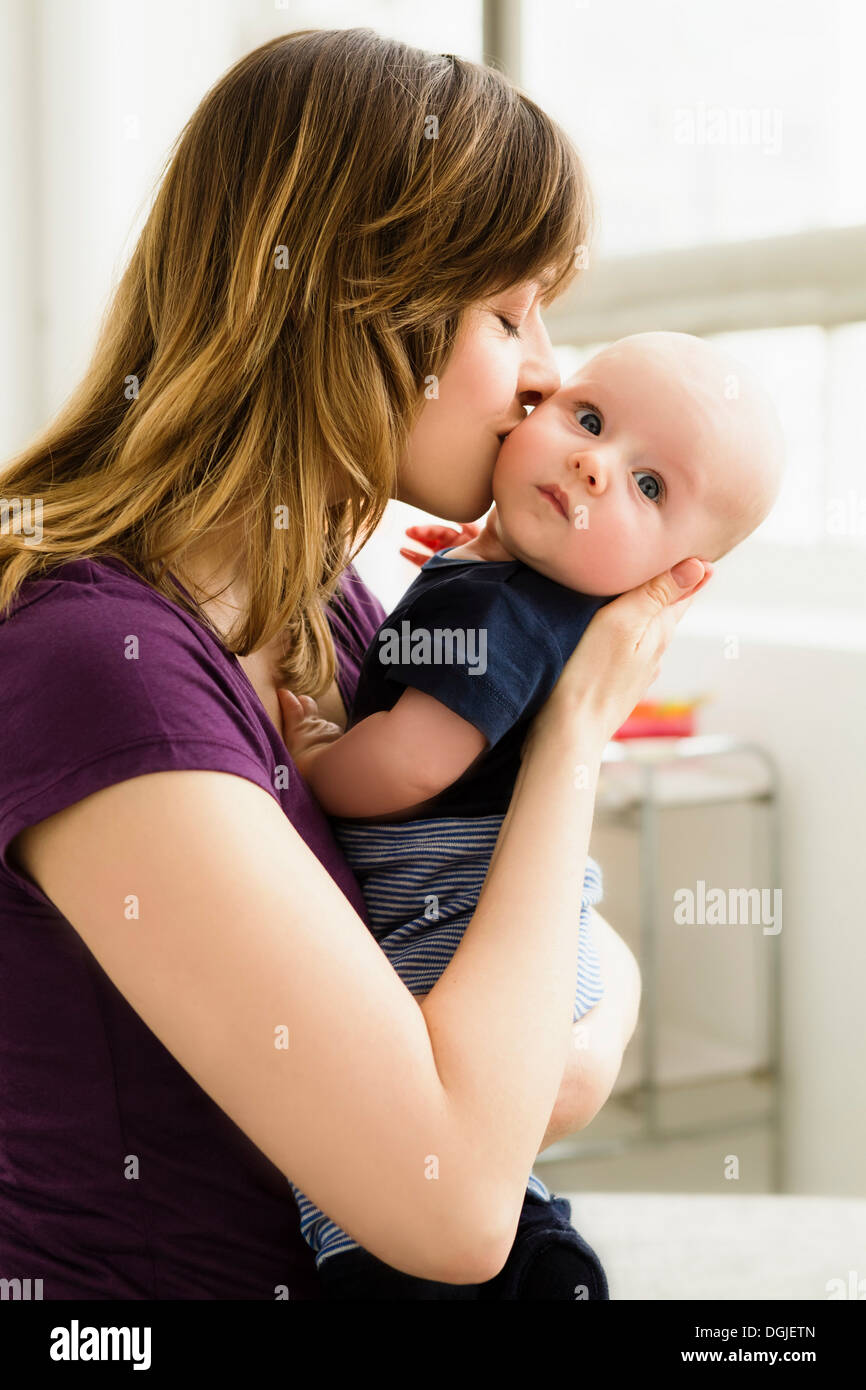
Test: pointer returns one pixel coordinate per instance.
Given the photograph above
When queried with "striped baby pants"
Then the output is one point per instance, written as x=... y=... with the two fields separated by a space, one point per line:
x=421 y=881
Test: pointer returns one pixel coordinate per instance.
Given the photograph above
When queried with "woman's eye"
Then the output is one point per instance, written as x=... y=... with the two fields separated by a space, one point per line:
x=513 y=329
x=590 y=419
x=655 y=483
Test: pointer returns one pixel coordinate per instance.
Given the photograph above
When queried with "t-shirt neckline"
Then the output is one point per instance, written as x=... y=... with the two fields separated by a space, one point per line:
x=443 y=555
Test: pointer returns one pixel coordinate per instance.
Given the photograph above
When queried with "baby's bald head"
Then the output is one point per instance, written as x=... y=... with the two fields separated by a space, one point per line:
x=660 y=447
x=738 y=434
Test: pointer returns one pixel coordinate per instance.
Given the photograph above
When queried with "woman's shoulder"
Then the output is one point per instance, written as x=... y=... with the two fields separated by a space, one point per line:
x=90 y=596
x=105 y=679
x=93 y=641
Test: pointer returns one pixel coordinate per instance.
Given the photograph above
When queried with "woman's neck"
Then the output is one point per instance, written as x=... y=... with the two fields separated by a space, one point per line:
x=211 y=571
x=212 y=568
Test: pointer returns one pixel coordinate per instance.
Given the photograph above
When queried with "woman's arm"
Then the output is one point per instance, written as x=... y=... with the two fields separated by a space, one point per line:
x=599 y=1038
x=414 y=1128
x=256 y=973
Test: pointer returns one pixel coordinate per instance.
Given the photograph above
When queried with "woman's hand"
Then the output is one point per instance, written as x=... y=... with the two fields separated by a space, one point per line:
x=305 y=733
x=619 y=655
x=436 y=537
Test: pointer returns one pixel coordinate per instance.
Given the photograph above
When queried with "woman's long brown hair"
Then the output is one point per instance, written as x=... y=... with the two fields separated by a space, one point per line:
x=328 y=212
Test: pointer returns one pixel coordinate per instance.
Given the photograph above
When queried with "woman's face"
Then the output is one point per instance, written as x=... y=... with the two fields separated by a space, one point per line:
x=492 y=373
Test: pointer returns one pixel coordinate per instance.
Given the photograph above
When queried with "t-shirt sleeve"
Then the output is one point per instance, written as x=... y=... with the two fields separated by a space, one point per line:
x=490 y=659
x=97 y=690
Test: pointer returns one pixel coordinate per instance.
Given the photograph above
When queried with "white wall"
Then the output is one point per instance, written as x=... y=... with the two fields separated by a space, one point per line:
x=83 y=135
x=19 y=164
x=805 y=703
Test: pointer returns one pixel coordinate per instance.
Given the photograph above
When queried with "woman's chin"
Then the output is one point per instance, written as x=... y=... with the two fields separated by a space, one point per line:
x=448 y=507
x=472 y=511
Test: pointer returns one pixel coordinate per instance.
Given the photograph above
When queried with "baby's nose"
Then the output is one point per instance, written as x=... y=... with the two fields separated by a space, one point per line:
x=587 y=468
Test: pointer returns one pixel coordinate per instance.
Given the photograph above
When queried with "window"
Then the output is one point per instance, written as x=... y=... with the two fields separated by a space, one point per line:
x=723 y=143
x=706 y=122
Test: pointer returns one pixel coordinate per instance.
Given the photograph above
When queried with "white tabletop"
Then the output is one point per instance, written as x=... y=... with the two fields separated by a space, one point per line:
x=708 y=1246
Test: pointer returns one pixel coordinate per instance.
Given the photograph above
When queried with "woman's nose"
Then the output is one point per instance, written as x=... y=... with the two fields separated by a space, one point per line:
x=539 y=374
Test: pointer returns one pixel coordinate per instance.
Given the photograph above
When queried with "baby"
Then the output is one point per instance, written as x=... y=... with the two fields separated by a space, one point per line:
x=659 y=448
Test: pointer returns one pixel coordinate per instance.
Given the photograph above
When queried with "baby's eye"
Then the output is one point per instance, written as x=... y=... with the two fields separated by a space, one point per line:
x=656 y=483
x=590 y=419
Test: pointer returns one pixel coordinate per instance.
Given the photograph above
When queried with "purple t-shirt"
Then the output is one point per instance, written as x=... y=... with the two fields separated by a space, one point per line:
x=83 y=1081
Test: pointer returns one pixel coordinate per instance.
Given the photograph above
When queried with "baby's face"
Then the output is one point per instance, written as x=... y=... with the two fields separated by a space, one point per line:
x=655 y=450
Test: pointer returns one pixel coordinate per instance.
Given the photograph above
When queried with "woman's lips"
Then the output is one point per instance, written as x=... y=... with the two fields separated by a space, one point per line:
x=556 y=498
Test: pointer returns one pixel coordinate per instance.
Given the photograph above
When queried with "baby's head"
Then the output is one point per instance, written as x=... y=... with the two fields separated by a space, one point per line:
x=658 y=448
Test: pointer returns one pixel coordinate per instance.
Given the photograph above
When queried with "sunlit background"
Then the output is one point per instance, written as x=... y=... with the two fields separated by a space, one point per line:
x=725 y=145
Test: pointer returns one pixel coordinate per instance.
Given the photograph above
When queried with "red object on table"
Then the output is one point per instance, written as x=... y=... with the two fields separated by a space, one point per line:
x=660 y=719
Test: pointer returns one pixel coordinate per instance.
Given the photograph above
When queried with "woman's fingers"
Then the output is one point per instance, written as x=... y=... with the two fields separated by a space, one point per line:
x=663 y=599
x=696 y=587
x=620 y=653
x=688 y=572
x=670 y=587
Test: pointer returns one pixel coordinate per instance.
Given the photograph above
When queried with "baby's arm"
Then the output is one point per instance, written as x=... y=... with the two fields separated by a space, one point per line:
x=391 y=761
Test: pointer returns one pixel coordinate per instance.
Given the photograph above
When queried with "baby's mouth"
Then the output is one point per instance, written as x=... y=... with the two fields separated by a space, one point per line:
x=557 y=497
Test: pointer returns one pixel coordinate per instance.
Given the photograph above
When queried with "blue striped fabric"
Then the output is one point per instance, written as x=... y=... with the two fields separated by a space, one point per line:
x=421 y=880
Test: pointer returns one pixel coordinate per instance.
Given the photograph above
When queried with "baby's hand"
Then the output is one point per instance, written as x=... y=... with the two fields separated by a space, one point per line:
x=305 y=733
x=435 y=537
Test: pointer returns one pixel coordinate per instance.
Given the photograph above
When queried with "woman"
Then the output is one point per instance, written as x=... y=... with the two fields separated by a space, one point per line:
x=332 y=303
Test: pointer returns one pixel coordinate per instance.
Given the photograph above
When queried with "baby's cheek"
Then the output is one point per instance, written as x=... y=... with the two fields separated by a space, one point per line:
x=606 y=563
x=511 y=464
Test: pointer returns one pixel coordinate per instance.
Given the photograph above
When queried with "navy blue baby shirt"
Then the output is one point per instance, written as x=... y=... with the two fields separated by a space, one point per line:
x=488 y=639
